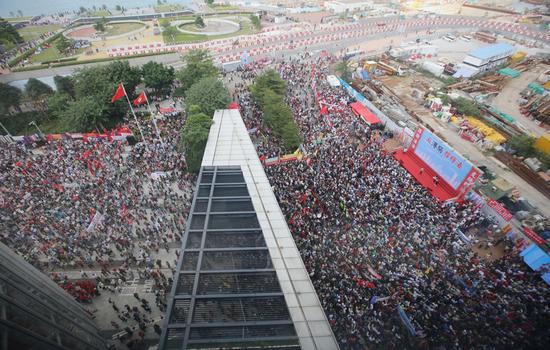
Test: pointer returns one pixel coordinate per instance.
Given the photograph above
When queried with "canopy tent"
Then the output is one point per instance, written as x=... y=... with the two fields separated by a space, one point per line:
x=165 y=110
x=233 y=105
x=509 y=72
x=369 y=117
x=535 y=258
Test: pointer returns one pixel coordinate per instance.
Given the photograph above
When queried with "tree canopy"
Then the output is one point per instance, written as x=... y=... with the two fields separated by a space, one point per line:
x=64 y=85
x=10 y=96
x=100 y=24
x=36 y=89
x=62 y=44
x=209 y=94
x=8 y=33
x=194 y=136
x=58 y=102
x=158 y=77
x=199 y=22
x=269 y=92
x=198 y=65
x=256 y=22
x=86 y=114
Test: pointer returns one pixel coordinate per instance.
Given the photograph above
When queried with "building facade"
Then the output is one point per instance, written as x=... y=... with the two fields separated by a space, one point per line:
x=240 y=281
x=36 y=314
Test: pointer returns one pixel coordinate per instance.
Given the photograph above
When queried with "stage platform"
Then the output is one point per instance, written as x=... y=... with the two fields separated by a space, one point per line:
x=425 y=176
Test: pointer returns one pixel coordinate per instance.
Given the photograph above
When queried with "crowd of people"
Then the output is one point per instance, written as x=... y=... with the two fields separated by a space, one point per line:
x=379 y=249
x=99 y=213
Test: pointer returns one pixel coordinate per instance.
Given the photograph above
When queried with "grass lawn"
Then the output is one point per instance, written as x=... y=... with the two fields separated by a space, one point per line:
x=221 y=8
x=51 y=54
x=33 y=32
x=167 y=8
x=18 y=19
x=121 y=28
x=246 y=28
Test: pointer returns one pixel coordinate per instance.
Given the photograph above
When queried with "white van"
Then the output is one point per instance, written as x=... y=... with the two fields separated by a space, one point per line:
x=466 y=38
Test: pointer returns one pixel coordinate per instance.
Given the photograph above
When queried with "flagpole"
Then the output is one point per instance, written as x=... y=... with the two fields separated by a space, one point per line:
x=152 y=116
x=135 y=118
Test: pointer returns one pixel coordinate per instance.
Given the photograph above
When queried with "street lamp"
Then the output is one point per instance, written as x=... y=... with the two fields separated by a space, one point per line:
x=37 y=128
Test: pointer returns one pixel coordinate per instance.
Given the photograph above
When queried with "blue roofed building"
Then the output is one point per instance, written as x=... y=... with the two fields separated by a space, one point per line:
x=489 y=57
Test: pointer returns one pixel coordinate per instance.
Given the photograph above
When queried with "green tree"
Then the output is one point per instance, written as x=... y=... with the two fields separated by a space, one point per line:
x=82 y=10
x=10 y=96
x=209 y=2
x=198 y=65
x=36 y=89
x=164 y=23
x=101 y=82
x=270 y=80
x=86 y=114
x=118 y=8
x=466 y=107
x=8 y=33
x=100 y=24
x=194 y=136
x=524 y=145
x=158 y=77
x=256 y=22
x=58 y=102
x=63 y=44
x=199 y=22
x=291 y=136
x=343 y=69
x=269 y=92
x=64 y=85
x=209 y=94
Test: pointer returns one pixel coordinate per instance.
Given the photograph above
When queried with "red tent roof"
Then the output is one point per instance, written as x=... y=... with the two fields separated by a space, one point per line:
x=166 y=109
x=233 y=105
x=363 y=111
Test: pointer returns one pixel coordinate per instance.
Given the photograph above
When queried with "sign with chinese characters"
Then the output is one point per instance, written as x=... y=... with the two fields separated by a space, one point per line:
x=441 y=158
x=533 y=236
x=499 y=208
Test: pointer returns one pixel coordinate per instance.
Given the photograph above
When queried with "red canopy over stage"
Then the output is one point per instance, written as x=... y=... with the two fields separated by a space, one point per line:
x=233 y=105
x=408 y=160
x=369 y=117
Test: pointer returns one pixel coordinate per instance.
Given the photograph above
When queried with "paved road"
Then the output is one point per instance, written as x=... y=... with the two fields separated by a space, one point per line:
x=507 y=99
x=332 y=38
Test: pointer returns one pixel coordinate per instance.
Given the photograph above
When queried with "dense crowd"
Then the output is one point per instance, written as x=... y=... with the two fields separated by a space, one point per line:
x=378 y=246
x=97 y=213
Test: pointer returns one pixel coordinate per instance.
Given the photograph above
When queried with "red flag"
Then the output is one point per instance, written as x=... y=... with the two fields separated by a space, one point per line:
x=118 y=94
x=323 y=110
x=140 y=99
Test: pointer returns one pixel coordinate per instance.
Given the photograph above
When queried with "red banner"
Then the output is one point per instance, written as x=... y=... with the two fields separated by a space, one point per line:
x=499 y=208
x=533 y=236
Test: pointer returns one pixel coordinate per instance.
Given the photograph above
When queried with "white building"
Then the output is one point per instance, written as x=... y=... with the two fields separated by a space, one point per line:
x=348 y=6
x=407 y=51
x=489 y=57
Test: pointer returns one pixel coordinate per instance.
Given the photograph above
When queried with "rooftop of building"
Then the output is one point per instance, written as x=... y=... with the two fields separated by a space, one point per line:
x=492 y=50
x=241 y=294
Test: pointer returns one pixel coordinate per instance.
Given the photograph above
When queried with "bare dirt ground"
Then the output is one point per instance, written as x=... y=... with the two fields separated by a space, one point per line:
x=506 y=100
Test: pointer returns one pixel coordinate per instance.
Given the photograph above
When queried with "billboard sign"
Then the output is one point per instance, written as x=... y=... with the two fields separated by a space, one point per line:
x=440 y=157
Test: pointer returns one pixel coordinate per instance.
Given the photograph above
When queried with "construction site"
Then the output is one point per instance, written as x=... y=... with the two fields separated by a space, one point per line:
x=479 y=92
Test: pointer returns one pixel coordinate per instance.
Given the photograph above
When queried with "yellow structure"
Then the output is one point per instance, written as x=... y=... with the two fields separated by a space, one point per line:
x=543 y=143
x=518 y=56
x=490 y=134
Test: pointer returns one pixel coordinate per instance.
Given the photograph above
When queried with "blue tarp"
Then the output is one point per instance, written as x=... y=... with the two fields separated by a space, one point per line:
x=535 y=257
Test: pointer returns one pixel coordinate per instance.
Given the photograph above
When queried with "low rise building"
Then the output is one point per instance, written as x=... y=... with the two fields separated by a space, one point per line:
x=348 y=6
x=489 y=57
